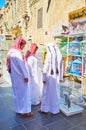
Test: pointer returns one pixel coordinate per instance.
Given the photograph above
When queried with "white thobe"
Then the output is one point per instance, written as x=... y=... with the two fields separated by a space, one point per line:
x=35 y=79
x=21 y=90
x=50 y=93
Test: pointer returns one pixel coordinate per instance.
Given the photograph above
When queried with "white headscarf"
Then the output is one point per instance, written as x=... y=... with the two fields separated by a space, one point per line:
x=54 y=53
x=52 y=48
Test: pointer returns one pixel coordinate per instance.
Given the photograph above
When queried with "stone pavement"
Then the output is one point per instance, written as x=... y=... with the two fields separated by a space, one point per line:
x=9 y=120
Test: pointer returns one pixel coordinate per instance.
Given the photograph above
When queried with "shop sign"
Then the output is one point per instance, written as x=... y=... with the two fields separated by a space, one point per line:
x=77 y=21
x=77 y=14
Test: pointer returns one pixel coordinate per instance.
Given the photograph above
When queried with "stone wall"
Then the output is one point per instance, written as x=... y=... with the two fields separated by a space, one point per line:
x=55 y=12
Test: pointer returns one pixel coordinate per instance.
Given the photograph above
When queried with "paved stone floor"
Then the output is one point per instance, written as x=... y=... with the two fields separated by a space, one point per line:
x=11 y=121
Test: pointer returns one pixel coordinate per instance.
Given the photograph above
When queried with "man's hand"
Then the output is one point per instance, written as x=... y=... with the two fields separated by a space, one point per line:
x=44 y=82
x=60 y=81
x=26 y=80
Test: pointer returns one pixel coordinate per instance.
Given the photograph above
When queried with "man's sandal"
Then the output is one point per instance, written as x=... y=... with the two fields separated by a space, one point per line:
x=27 y=114
x=42 y=112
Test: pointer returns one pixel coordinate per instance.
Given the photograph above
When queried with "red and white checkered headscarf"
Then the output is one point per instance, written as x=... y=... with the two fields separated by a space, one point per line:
x=15 y=45
x=32 y=50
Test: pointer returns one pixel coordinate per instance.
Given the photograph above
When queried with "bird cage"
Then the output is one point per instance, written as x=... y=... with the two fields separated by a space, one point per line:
x=77 y=66
x=71 y=98
x=74 y=47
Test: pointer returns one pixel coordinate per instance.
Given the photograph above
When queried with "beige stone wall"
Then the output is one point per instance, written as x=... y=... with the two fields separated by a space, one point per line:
x=37 y=34
x=21 y=8
x=58 y=13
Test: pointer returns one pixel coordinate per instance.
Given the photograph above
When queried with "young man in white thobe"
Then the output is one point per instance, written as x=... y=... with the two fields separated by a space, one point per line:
x=35 y=74
x=19 y=78
x=52 y=74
